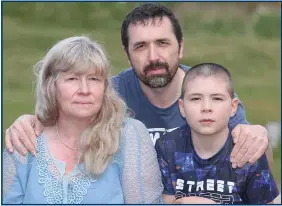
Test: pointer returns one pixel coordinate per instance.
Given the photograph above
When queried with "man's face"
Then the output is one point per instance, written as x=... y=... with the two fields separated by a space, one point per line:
x=153 y=52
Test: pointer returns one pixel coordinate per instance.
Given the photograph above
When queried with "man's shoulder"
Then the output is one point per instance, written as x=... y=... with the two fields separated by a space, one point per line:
x=124 y=79
x=184 y=67
x=124 y=74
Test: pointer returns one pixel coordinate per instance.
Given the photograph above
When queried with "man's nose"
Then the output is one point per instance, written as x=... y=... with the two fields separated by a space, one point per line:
x=153 y=53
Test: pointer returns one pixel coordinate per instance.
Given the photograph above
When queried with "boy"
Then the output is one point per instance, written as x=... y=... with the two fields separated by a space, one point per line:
x=197 y=164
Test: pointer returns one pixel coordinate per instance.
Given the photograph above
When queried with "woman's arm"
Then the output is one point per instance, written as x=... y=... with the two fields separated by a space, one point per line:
x=13 y=190
x=142 y=182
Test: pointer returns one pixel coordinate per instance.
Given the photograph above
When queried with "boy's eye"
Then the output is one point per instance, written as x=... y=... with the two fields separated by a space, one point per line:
x=195 y=98
x=217 y=99
x=94 y=78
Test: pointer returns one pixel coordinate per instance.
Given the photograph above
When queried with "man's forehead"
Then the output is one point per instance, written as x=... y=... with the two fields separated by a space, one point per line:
x=151 y=28
x=154 y=21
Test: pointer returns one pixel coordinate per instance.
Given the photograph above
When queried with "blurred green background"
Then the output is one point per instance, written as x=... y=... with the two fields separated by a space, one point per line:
x=244 y=37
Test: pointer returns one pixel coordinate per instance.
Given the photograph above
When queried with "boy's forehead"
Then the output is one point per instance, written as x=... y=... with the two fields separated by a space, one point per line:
x=209 y=83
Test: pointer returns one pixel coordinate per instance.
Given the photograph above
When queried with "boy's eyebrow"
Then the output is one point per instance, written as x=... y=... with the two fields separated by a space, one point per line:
x=199 y=94
x=217 y=94
x=191 y=94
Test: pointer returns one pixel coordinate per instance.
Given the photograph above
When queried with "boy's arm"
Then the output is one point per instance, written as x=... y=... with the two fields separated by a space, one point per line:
x=170 y=199
x=260 y=181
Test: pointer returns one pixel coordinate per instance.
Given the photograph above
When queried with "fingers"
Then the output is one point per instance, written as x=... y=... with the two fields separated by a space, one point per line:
x=8 y=141
x=238 y=150
x=15 y=140
x=38 y=127
x=27 y=137
x=245 y=153
x=261 y=147
x=21 y=136
x=251 y=144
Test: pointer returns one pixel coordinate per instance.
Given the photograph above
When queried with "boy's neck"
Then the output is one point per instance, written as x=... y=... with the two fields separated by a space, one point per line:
x=207 y=146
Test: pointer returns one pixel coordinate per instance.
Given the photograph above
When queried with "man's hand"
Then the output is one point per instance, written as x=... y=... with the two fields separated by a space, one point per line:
x=22 y=134
x=251 y=142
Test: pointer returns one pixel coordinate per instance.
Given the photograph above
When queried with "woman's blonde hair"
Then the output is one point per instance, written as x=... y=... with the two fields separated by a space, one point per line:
x=101 y=140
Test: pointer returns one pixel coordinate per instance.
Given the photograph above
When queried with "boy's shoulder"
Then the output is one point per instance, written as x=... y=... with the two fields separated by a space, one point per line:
x=174 y=138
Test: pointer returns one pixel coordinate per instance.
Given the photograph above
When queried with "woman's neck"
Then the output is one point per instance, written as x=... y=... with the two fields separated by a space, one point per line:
x=207 y=146
x=71 y=130
x=63 y=141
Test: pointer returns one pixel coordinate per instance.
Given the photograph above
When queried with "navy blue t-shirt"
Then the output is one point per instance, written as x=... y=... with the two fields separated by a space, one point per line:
x=157 y=120
x=185 y=174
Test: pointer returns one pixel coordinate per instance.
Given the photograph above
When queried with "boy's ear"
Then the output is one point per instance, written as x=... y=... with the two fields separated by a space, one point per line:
x=235 y=102
x=181 y=107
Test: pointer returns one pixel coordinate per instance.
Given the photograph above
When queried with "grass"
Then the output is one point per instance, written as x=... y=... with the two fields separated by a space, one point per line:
x=30 y=29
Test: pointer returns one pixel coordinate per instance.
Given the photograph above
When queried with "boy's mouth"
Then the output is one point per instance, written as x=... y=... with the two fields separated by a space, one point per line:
x=206 y=120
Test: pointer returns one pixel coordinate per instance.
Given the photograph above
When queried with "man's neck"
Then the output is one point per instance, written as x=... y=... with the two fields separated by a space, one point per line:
x=207 y=146
x=166 y=96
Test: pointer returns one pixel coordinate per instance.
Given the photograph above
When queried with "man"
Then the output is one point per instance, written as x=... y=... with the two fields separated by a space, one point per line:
x=152 y=39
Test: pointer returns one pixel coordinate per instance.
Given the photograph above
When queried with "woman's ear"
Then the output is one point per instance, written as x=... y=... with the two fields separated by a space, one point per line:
x=235 y=102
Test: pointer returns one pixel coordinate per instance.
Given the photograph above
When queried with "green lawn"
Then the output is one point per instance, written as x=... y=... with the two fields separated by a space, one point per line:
x=29 y=29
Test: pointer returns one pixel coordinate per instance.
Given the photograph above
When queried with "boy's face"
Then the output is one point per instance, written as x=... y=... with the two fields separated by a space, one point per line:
x=207 y=105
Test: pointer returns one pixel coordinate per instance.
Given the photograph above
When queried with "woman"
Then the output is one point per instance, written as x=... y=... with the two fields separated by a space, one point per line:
x=90 y=152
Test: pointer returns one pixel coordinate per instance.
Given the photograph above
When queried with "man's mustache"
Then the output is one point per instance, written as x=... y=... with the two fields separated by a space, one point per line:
x=155 y=65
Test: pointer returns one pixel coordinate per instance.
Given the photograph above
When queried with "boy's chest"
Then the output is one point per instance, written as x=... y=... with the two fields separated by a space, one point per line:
x=217 y=182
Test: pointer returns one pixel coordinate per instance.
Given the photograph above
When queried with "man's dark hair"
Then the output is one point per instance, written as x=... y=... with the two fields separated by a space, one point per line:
x=207 y=70
x=144 y=13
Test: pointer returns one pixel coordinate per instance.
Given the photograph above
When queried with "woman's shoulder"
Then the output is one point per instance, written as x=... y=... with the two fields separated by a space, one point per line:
x=131 y=123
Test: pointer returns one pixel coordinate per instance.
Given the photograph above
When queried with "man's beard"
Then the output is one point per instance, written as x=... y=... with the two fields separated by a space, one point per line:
x=157 y=80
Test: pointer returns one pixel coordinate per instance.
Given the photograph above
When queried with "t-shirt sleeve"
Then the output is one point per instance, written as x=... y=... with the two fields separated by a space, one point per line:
x=261 y=187
x=239 y=117
x=115 y=82
x=164 y=167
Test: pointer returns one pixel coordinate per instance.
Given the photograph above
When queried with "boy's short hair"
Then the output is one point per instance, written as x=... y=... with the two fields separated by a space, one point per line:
x=207 y=70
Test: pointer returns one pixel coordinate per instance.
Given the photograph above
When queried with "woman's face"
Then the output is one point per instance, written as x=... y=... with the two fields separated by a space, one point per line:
x=79 y=95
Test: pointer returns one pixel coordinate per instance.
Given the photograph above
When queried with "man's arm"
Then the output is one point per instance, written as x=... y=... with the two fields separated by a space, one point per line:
x=250 y=141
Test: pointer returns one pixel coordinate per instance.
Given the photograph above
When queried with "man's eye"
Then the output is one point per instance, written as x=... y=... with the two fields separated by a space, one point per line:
x=163 y=43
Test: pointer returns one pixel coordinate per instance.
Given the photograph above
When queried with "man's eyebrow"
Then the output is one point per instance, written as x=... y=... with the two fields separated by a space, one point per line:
x=163 y=39
x=138 y=43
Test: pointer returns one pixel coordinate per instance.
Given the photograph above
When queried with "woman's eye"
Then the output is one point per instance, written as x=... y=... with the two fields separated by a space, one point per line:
x=72 y=79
